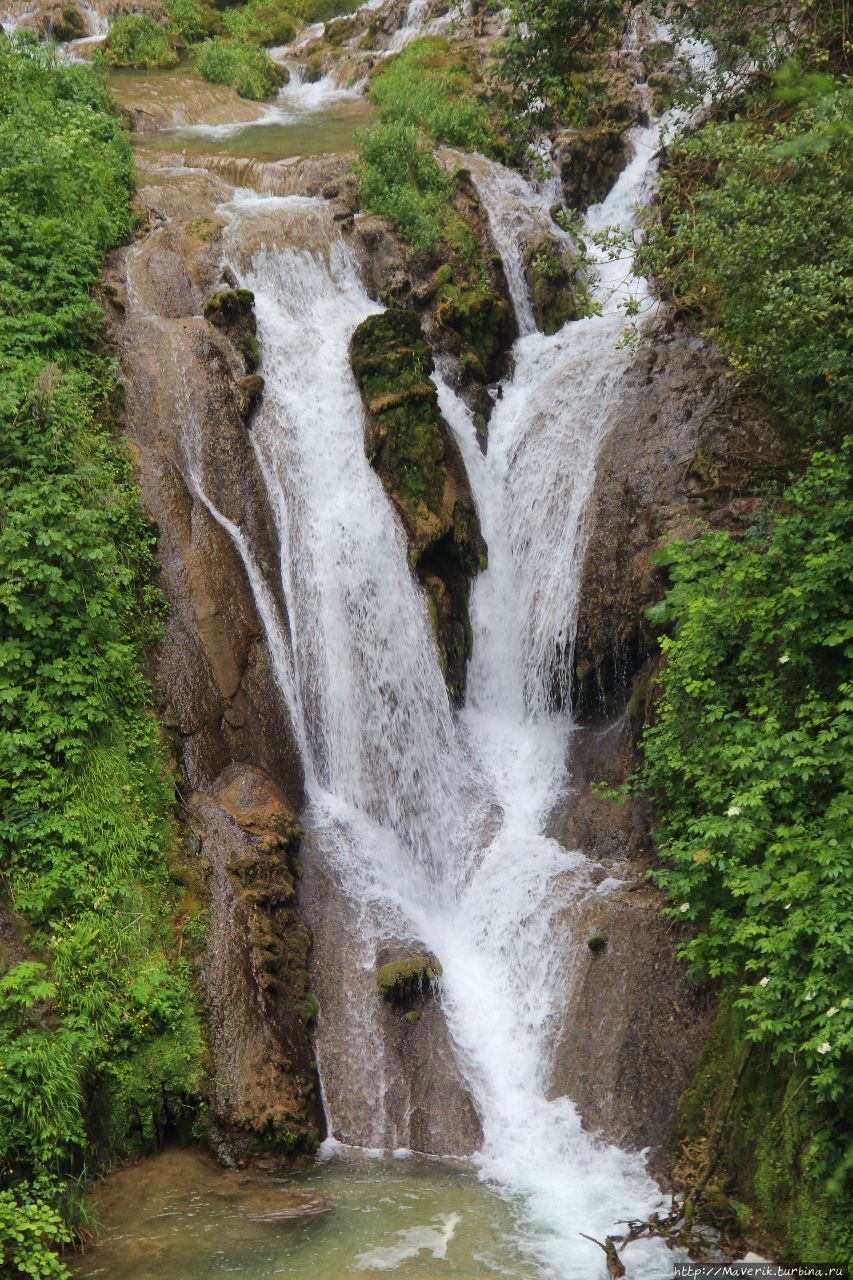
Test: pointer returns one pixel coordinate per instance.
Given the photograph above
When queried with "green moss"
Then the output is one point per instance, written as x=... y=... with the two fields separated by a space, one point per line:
x=774 y=1140
x=479 y=315
x=68 y=25
x=403 y=981
x=392 y=362
x=309 y=1008
x=555 y=291
x=234 y=311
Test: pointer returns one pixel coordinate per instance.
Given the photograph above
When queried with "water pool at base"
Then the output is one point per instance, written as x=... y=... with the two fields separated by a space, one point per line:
x=178 y=1216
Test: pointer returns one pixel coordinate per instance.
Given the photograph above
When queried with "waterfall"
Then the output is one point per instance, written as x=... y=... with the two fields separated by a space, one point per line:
x=424 y=825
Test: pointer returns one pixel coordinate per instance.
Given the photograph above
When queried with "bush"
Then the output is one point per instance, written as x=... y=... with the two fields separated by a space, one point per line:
x=751 y=232
x=549 y=43
x=435 y=88
x=135 y=40
x=261 y=22
x=323 y=10
x=748 y=760
x=241 y=64
x=194 y=21
x=426 y=95
x=399 y=179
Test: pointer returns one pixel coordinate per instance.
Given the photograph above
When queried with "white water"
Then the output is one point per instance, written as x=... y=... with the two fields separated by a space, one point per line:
x=431 y=824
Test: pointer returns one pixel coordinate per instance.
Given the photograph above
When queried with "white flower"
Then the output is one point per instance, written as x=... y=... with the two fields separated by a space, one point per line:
x=825 y=1047
x=733 y=811
x=845 y=1002
x=831 y=1012
x=685 y=906
x=784 y=658
x=764 y=981
x=809 y=995
x=787 y=906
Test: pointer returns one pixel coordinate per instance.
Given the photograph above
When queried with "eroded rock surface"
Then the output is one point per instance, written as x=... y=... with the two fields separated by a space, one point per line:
x=255 y=968
x=187 y=403
x=418 y=461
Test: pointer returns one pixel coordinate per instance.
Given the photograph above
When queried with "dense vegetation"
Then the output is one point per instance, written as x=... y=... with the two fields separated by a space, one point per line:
x=247 y=67
x=429 y=94
x=100 y=1041
x=135 y=40
x=748 y=756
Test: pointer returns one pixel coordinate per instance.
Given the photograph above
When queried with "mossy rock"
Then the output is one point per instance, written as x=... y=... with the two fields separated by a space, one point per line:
x=556 y=292
x=234 y=311
x=418 y=462
x=481 y=318
x=405 y=981
x=67 y=23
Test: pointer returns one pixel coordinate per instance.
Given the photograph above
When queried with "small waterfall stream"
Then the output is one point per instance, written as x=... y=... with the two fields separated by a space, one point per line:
x=428 y=827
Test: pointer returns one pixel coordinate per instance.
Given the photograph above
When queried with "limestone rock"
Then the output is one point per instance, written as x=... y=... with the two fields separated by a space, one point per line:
x=557 y=291
x=418 y=461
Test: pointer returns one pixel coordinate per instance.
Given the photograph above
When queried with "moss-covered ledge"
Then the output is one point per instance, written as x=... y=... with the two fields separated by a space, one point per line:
x=418 y=462
x=761 y=1131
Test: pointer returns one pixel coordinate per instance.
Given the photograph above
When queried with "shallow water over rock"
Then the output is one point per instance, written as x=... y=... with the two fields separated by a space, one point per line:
x=179 y=1215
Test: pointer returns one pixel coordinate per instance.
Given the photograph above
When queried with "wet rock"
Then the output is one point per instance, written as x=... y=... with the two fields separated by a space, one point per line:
x=634 y=1024
x=589 y=161
x=254 y=966
x=685 y=444
x=409 y=980
x=234 y=311
x=556 y=288
x=418 y=461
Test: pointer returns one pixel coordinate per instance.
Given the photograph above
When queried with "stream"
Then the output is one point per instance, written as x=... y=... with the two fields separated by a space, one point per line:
x=423 y=825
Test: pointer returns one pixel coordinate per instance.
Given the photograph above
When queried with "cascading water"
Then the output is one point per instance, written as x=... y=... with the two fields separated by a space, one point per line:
x=429 y=826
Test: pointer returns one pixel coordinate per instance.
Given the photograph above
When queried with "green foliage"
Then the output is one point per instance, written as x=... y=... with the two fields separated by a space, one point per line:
x=136 y=40
x=436 y=88
x=751 y=38
x=749 y=761
x=99 y=1033
x=752 y=231
x=399 y=179
x=322 y=10
x=776 y=1146
x=550 y=43
x=29 y=1227
x=263 y=22
x=427 y=95
x=238 y=62
x=194 y=21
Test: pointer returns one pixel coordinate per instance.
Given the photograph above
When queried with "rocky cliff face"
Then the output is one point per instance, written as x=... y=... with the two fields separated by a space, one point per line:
x=189 y=388
x=418 y=461
x=685 y=448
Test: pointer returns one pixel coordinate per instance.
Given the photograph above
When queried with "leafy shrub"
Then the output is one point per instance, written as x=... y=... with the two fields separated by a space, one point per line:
x=135 y=40
x=399 y=179
x=751 y=232
x=29 y=1226
x=550 y=42
x=322 y=10
x=434 y=87
x=426 y=95
x=194 y=20
x=241 y=64
x=748 y=759
x=262 y=22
